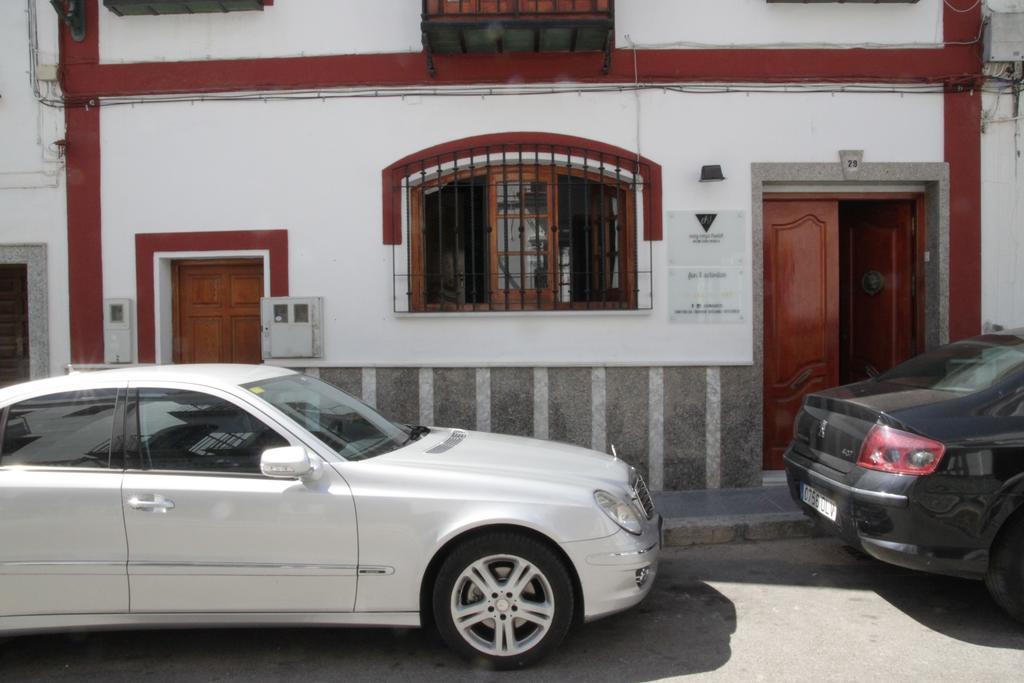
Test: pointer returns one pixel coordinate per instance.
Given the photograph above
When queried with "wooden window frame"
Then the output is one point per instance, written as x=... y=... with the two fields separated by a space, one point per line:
x=621 y=297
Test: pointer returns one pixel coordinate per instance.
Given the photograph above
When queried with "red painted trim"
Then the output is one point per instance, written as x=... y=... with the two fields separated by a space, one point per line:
x=410 y=69
x=148 y=244
x=958 y=25
x=83 y=78
x=85 y=254
x=87 y=52
x=391 y=177
x=963 y=154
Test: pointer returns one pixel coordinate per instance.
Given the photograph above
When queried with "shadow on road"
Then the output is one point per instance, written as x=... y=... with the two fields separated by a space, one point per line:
x=957 y=608
x=682 y=628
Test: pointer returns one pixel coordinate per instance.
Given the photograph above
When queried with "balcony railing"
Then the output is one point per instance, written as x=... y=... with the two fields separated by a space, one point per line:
x=497 y=26
x=434 y=9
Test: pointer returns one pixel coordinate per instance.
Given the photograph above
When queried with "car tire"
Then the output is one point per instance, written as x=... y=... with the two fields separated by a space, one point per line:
x=1005 y=577
x=503 y=599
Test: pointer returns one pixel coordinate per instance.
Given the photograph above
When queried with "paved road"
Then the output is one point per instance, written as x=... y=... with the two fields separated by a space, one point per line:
x=802 y=610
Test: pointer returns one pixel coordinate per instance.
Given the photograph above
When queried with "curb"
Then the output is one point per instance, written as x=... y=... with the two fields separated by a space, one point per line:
x=680 y=533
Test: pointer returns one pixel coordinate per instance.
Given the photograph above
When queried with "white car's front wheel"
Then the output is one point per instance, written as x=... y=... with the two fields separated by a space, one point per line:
x=503 y=597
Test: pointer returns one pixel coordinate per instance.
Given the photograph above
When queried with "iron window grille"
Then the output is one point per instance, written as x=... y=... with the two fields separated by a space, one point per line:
x=522 y=227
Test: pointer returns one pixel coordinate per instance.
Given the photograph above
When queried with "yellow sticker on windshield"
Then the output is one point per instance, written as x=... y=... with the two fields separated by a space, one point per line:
x=256 y=390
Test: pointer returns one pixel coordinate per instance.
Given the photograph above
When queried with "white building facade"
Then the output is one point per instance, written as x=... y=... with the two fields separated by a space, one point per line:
x=33 y=219
x=496 y=224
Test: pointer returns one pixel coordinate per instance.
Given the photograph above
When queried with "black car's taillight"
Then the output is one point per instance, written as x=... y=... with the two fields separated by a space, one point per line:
x=899 y=452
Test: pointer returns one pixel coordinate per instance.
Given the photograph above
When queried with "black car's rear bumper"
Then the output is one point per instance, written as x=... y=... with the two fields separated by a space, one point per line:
x=884 y=520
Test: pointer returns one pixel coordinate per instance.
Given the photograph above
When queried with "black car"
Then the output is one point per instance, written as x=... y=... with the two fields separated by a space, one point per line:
x=923 y=466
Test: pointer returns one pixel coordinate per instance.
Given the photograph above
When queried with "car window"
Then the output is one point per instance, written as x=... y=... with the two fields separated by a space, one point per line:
x=197 y=432
x=69 y=429
x=966 y=366
x=348 y=426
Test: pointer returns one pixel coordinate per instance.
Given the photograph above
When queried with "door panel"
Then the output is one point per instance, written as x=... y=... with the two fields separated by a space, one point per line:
x=801 y=312
x=208 y=533
x=246 y=288
x=216 y=311
x=205 y=339
x=245 y=337
x=14 y=357
x=62 y=543
x=237 y=543
x=877 y=328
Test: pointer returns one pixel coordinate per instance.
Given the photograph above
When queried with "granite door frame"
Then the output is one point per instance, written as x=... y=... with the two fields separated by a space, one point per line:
x=33 y=257
x=746 y=383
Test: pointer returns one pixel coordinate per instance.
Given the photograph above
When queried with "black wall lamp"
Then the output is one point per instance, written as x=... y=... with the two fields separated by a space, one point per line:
x=72 y=13
x=711 y=174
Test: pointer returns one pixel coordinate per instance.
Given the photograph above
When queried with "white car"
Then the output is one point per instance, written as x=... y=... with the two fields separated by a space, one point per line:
x=212 y=495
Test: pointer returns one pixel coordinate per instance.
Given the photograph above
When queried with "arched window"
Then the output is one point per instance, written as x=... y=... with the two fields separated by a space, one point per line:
x=513 y=223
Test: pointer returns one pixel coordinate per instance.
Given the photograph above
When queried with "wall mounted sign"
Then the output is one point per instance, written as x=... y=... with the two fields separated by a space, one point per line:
x=707 y=274
x=702 y=238
x=851 y=161
x=706 y=295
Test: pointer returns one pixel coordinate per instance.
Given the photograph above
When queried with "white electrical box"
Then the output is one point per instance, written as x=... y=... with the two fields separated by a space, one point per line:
x=1004 y=37
x=292 y=327
x=117 y=331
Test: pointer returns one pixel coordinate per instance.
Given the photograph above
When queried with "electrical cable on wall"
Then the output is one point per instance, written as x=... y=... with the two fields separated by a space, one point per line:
x=965 y=10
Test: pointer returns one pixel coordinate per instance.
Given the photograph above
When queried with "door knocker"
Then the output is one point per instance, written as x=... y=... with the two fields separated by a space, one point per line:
x=873 y=282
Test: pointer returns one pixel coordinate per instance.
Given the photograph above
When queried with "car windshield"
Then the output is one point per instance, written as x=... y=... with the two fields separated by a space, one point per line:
x=348 y=426
x=963 y=367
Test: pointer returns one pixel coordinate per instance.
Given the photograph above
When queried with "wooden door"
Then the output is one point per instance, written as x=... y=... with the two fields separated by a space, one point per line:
x=14 y=358
x=877 y=287
x=839 y=300
x=801 y=312
x=217 y=311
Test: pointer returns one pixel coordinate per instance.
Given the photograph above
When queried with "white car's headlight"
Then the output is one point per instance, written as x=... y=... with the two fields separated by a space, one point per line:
x=620 y=512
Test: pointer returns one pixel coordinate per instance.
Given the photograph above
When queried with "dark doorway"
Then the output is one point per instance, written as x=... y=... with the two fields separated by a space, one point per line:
x=841 y=293
x=14 y=355
x=589 y=238
x=877 y=319
x=454 y=247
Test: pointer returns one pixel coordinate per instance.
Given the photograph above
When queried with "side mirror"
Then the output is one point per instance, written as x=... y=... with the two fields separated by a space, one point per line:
x=289 y=462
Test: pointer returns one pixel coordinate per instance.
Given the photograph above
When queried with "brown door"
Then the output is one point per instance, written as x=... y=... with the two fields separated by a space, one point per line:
x=801 y=312
x=14 y=361
x=839 y=300
x=876 y=287
x=217 y=311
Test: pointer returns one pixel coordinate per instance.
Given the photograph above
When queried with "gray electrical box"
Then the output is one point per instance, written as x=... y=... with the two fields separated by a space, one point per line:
x=1004 y=37
x=117 y=331
x=292 y=327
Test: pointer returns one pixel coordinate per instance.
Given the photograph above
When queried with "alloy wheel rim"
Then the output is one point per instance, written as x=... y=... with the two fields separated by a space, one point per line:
x=502 y=605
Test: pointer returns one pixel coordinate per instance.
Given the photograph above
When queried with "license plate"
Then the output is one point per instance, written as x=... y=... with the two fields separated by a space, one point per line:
x=819 y=502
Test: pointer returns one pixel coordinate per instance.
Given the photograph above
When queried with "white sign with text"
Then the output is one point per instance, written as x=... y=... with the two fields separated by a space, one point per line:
x=707 y=271
x=706 y=295
x=706 y=238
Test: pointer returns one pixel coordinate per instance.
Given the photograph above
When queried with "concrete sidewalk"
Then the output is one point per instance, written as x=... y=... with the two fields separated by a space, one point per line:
x=731 y=515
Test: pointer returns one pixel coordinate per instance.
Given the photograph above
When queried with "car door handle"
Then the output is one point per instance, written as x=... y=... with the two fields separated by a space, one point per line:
x=151 y=503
